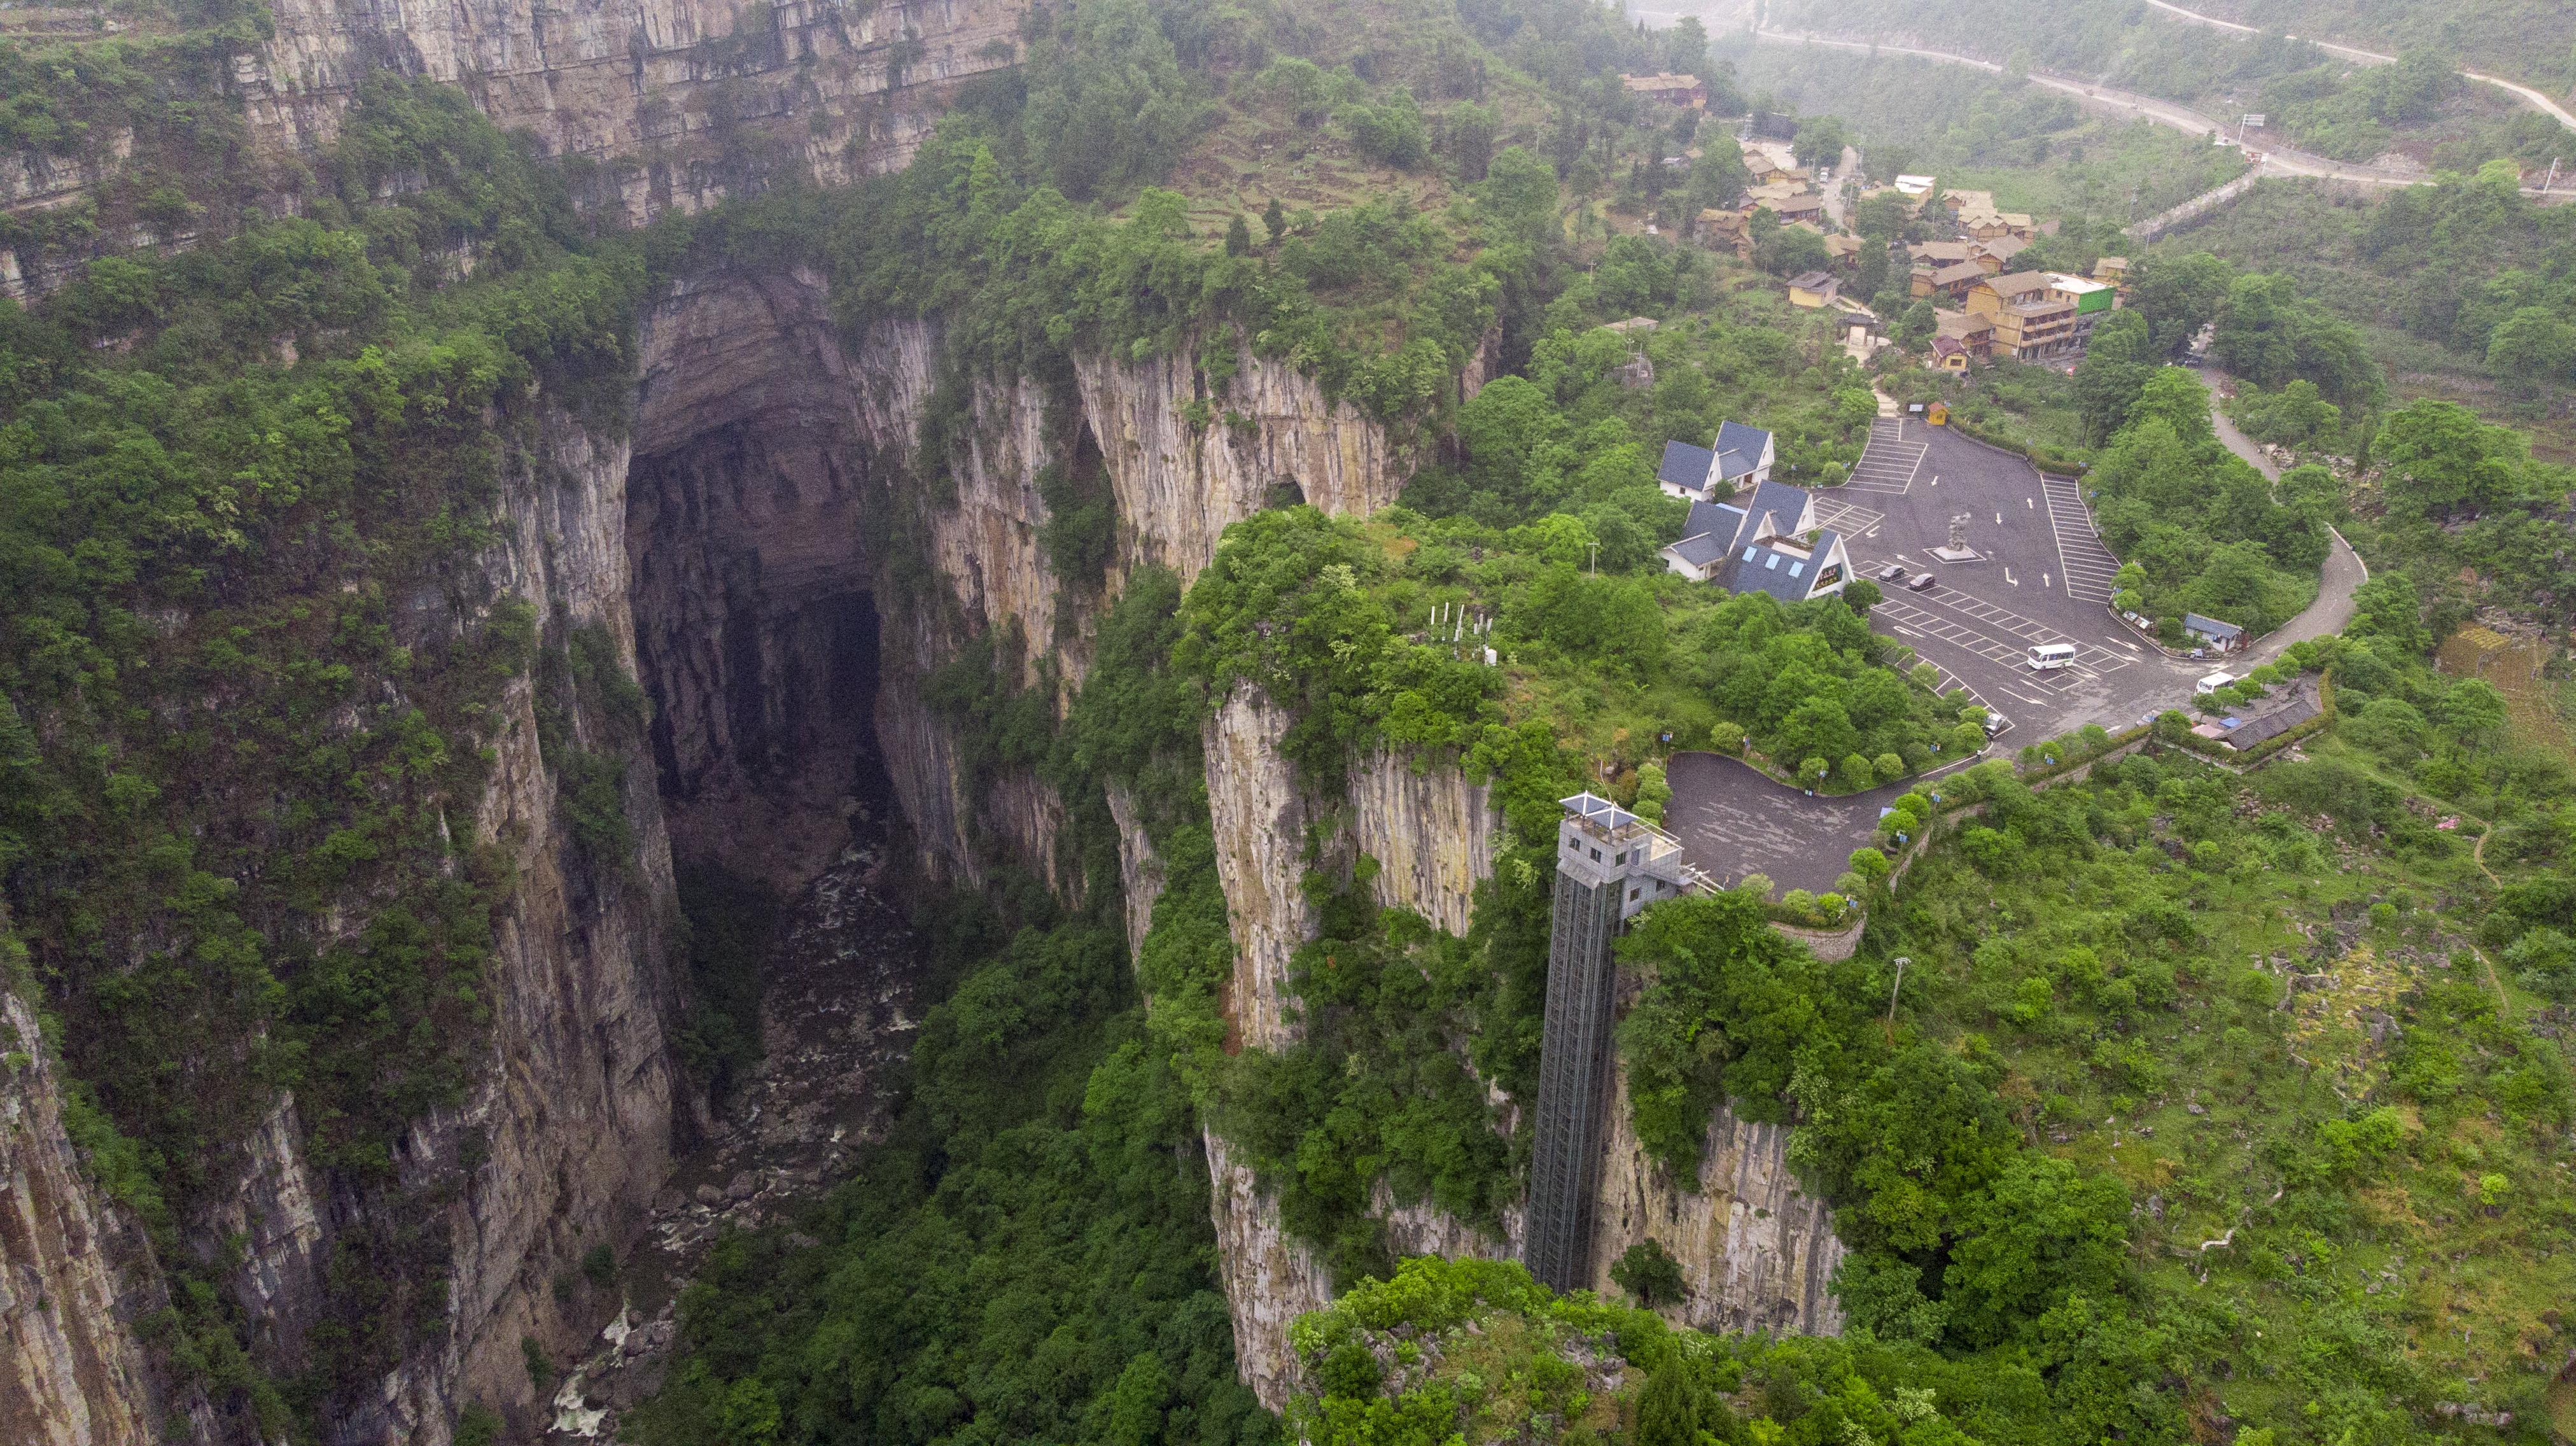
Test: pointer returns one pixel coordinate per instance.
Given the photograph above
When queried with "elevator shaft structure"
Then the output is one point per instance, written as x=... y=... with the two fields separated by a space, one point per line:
x=1610 y=864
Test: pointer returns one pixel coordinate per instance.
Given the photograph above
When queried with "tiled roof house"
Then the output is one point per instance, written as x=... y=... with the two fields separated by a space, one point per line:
x=1767 y=543
x=1742 y=458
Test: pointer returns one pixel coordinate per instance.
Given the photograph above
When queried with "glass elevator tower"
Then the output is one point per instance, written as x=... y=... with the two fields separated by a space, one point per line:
x=1609 y=865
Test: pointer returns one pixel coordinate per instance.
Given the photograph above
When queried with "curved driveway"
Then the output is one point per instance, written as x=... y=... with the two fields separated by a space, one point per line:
x=2344 y=571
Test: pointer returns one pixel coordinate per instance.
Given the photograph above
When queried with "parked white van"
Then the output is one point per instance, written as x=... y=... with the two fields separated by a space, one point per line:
x=2049 y=657
x=2213 y=682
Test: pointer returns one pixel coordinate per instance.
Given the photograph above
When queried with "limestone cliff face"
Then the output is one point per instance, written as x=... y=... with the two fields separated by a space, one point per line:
x=689 y=98
x=1179 y=486
x=1259 y=818
x=1432 y=833
x=1270 y=1277
x=572 y=1118
x=72 y=1368
x=1756 y=1251
x=557 y=1148
x=752 y=567
x=1140 y=868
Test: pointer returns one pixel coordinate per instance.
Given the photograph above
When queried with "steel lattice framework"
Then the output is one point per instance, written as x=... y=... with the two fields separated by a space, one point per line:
x=1573 y=1082
x=1610 y=864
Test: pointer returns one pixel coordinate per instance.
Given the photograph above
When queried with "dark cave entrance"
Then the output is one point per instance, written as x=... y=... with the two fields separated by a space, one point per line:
x=758 y=640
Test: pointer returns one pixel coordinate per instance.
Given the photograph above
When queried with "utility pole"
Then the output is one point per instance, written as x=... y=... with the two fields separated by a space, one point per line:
x=1596 y=559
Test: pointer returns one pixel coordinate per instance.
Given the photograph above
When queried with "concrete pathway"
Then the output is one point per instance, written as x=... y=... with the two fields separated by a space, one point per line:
x=2344 y=571
x=2526 y=94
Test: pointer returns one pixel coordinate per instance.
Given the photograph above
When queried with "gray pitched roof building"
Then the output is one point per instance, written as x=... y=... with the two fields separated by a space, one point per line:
x=1742 y=458
x=1767 y=543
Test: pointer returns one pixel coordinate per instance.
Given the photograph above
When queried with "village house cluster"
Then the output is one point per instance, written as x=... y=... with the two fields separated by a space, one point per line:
x=1984 y=307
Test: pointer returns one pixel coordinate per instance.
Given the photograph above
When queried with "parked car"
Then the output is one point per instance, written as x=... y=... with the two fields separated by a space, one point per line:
x=1921 y=582
x=1891 y=573
x=1996 y=723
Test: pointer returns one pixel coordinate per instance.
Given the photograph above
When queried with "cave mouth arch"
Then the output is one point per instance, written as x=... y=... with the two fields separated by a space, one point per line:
x=751 y=582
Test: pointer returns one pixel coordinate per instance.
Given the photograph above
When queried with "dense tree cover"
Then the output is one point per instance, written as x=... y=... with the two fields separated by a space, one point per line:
x=1027 y=1257
x=2079 y=974
x=2200 y=529
x=2464 y=262
x=242 y=699
x=2465 y=507
x=1582 y=433
x=1331 y=619
x=2261 y=329
x=1475 y=1352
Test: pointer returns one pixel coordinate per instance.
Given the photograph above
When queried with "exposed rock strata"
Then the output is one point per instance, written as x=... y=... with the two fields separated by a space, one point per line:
x=72 y=1368
x=572 y=1116
x=1270 y=1277
x=686 y=95
x=1259 y=817
x=1756 y=1251
x=1140 y=868
x=1432 y=832
x=1179 y=486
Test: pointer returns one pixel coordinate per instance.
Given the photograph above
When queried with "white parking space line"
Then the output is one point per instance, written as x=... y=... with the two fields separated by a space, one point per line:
x=1990 y=617
x=1888 y=463
x=1847 y=519
x=2089 y=566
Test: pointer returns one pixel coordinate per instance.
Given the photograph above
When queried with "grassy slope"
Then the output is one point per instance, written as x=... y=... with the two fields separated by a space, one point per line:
x=2533 y=41
x=2404 y=1270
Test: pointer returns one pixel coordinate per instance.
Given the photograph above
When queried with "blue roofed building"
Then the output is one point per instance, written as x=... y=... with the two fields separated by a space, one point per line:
x=1768 y=542
x=1742 y=458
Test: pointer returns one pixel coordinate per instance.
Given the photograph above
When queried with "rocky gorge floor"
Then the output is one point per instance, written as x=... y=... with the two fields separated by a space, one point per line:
x=837 y=1010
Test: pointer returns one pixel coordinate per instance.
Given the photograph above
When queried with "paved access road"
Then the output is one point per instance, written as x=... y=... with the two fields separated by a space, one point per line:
x=2524 y=93
x=2279 y=160
x=2344 y=571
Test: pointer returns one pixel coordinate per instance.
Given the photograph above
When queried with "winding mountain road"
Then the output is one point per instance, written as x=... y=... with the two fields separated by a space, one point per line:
x=2279 y=160
x=2528 y=96
x=2344 y=571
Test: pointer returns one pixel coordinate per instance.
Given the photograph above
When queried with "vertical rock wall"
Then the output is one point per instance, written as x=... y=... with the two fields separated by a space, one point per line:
x=1179 y=486
x=1270 y=1277
x=1756 y=1251
x=691 y=97
x=1140 y=868
x=1432 y=832
x=1259 y=818
x=72 y=1369
x=572 y=1117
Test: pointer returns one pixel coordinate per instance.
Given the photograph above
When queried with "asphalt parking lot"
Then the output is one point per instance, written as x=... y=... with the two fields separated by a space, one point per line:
x=1733 y=821
x=2043 y=577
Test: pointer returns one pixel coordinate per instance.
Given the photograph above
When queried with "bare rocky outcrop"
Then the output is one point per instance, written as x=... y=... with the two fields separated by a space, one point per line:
x=1140 y=868
x=1270 y=1277
x=72 y=1369
x=685 y=95
x=1432 y=832
x=1756 y=1251
x=1271 y=436
x=1259 y=818
x=568 y=1131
